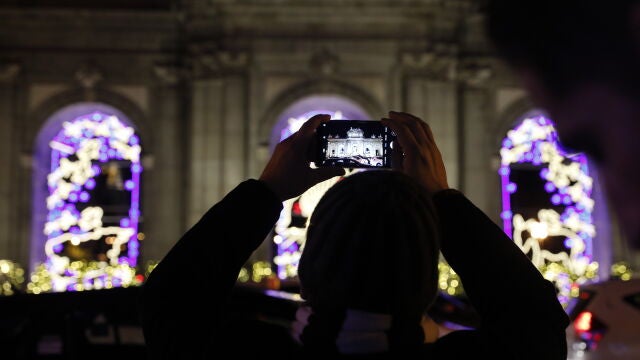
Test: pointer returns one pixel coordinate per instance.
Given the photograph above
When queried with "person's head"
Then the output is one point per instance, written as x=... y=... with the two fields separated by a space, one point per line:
x=372 y=245
x=578 y=60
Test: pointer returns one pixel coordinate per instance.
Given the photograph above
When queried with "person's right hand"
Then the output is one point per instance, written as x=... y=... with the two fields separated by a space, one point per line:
x=422 y=159
x=288 y=173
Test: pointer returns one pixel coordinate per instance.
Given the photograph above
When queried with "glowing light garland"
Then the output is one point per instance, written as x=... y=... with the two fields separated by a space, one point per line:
x=621 y=270
x=448 y=280
x=569 y=185
x=77 y=151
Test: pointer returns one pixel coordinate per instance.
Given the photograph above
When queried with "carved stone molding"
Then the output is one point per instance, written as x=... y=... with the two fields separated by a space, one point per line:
x=324 y=63
x=170 y=74
x=210 y=59
x=439 y=61
x=475 y=73
x=448 y=66
x=88 y=76
x=431 y=64
x=9 y=71
x=417 y=60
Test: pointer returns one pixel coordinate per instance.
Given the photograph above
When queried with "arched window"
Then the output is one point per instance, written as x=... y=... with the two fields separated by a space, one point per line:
x=290 y=230
x=547 y=203
x=92 y=201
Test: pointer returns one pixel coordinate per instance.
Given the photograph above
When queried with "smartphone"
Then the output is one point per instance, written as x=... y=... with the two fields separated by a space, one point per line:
x=353 y=144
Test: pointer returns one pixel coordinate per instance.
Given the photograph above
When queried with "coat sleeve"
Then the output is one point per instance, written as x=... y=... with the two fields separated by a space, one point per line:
x=183 y=301
x=521 y=317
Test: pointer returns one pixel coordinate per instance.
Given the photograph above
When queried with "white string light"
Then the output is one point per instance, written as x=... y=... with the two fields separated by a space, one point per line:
x=95 y=137
x=535 y=141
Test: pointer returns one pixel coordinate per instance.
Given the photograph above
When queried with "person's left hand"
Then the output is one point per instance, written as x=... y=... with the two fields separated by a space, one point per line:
x=422 y=159
x=288 y=173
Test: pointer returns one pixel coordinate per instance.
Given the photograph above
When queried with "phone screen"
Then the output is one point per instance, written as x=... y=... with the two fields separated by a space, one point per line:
x=354 y=144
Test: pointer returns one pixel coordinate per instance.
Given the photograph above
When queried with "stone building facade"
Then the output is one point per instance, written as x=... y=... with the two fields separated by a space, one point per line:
x=208 y=85
x=355 y=144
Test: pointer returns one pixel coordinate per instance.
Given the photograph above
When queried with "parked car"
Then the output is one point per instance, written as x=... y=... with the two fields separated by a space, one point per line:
x=605 y=321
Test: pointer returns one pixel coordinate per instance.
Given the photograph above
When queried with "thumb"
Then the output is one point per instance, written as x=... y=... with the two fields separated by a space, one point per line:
x=322 y=174
x=397 y=157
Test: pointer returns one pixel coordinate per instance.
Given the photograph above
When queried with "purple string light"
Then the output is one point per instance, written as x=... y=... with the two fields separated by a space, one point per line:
x=60 y=148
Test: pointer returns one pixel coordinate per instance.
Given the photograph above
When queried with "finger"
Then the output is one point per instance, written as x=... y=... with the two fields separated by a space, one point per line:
x=403 y=133
x=312 y=124
x=406 y=114
x=413 y=123
x=435 y=152
x=428 y=132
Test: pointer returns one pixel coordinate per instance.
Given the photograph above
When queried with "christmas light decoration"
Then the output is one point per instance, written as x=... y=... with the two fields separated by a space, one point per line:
x=85 y=148
x=621 y=270
x=88 y=275
x=448 y=280
x=534 y=145
x=260 y=270
x=243 y=275
x=11 y=277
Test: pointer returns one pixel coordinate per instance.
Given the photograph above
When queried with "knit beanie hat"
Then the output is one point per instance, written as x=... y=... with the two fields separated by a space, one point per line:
x=372 y=245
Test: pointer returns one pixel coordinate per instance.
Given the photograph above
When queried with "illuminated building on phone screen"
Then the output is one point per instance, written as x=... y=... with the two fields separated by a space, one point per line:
x=354 y=145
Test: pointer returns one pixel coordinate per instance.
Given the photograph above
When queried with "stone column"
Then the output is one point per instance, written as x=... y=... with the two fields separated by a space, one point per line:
x=164 y=164
x=475 y=141
x=217 y=137
x=9 y=151
x=432 y=95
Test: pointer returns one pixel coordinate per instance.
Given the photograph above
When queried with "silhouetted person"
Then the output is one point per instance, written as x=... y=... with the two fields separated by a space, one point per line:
x=580 y=61
x=368 y=272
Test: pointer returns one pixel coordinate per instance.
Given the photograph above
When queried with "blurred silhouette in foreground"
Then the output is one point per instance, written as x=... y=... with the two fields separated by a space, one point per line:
x=579 y=60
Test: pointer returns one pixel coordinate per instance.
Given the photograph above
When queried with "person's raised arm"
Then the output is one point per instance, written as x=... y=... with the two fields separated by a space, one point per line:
x=184 y=299
x=417 y=154
x=521 y=317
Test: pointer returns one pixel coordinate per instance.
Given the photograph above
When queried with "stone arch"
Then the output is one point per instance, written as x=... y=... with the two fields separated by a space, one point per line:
x=306 y=89
x=41 y=114
x=295 y=101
